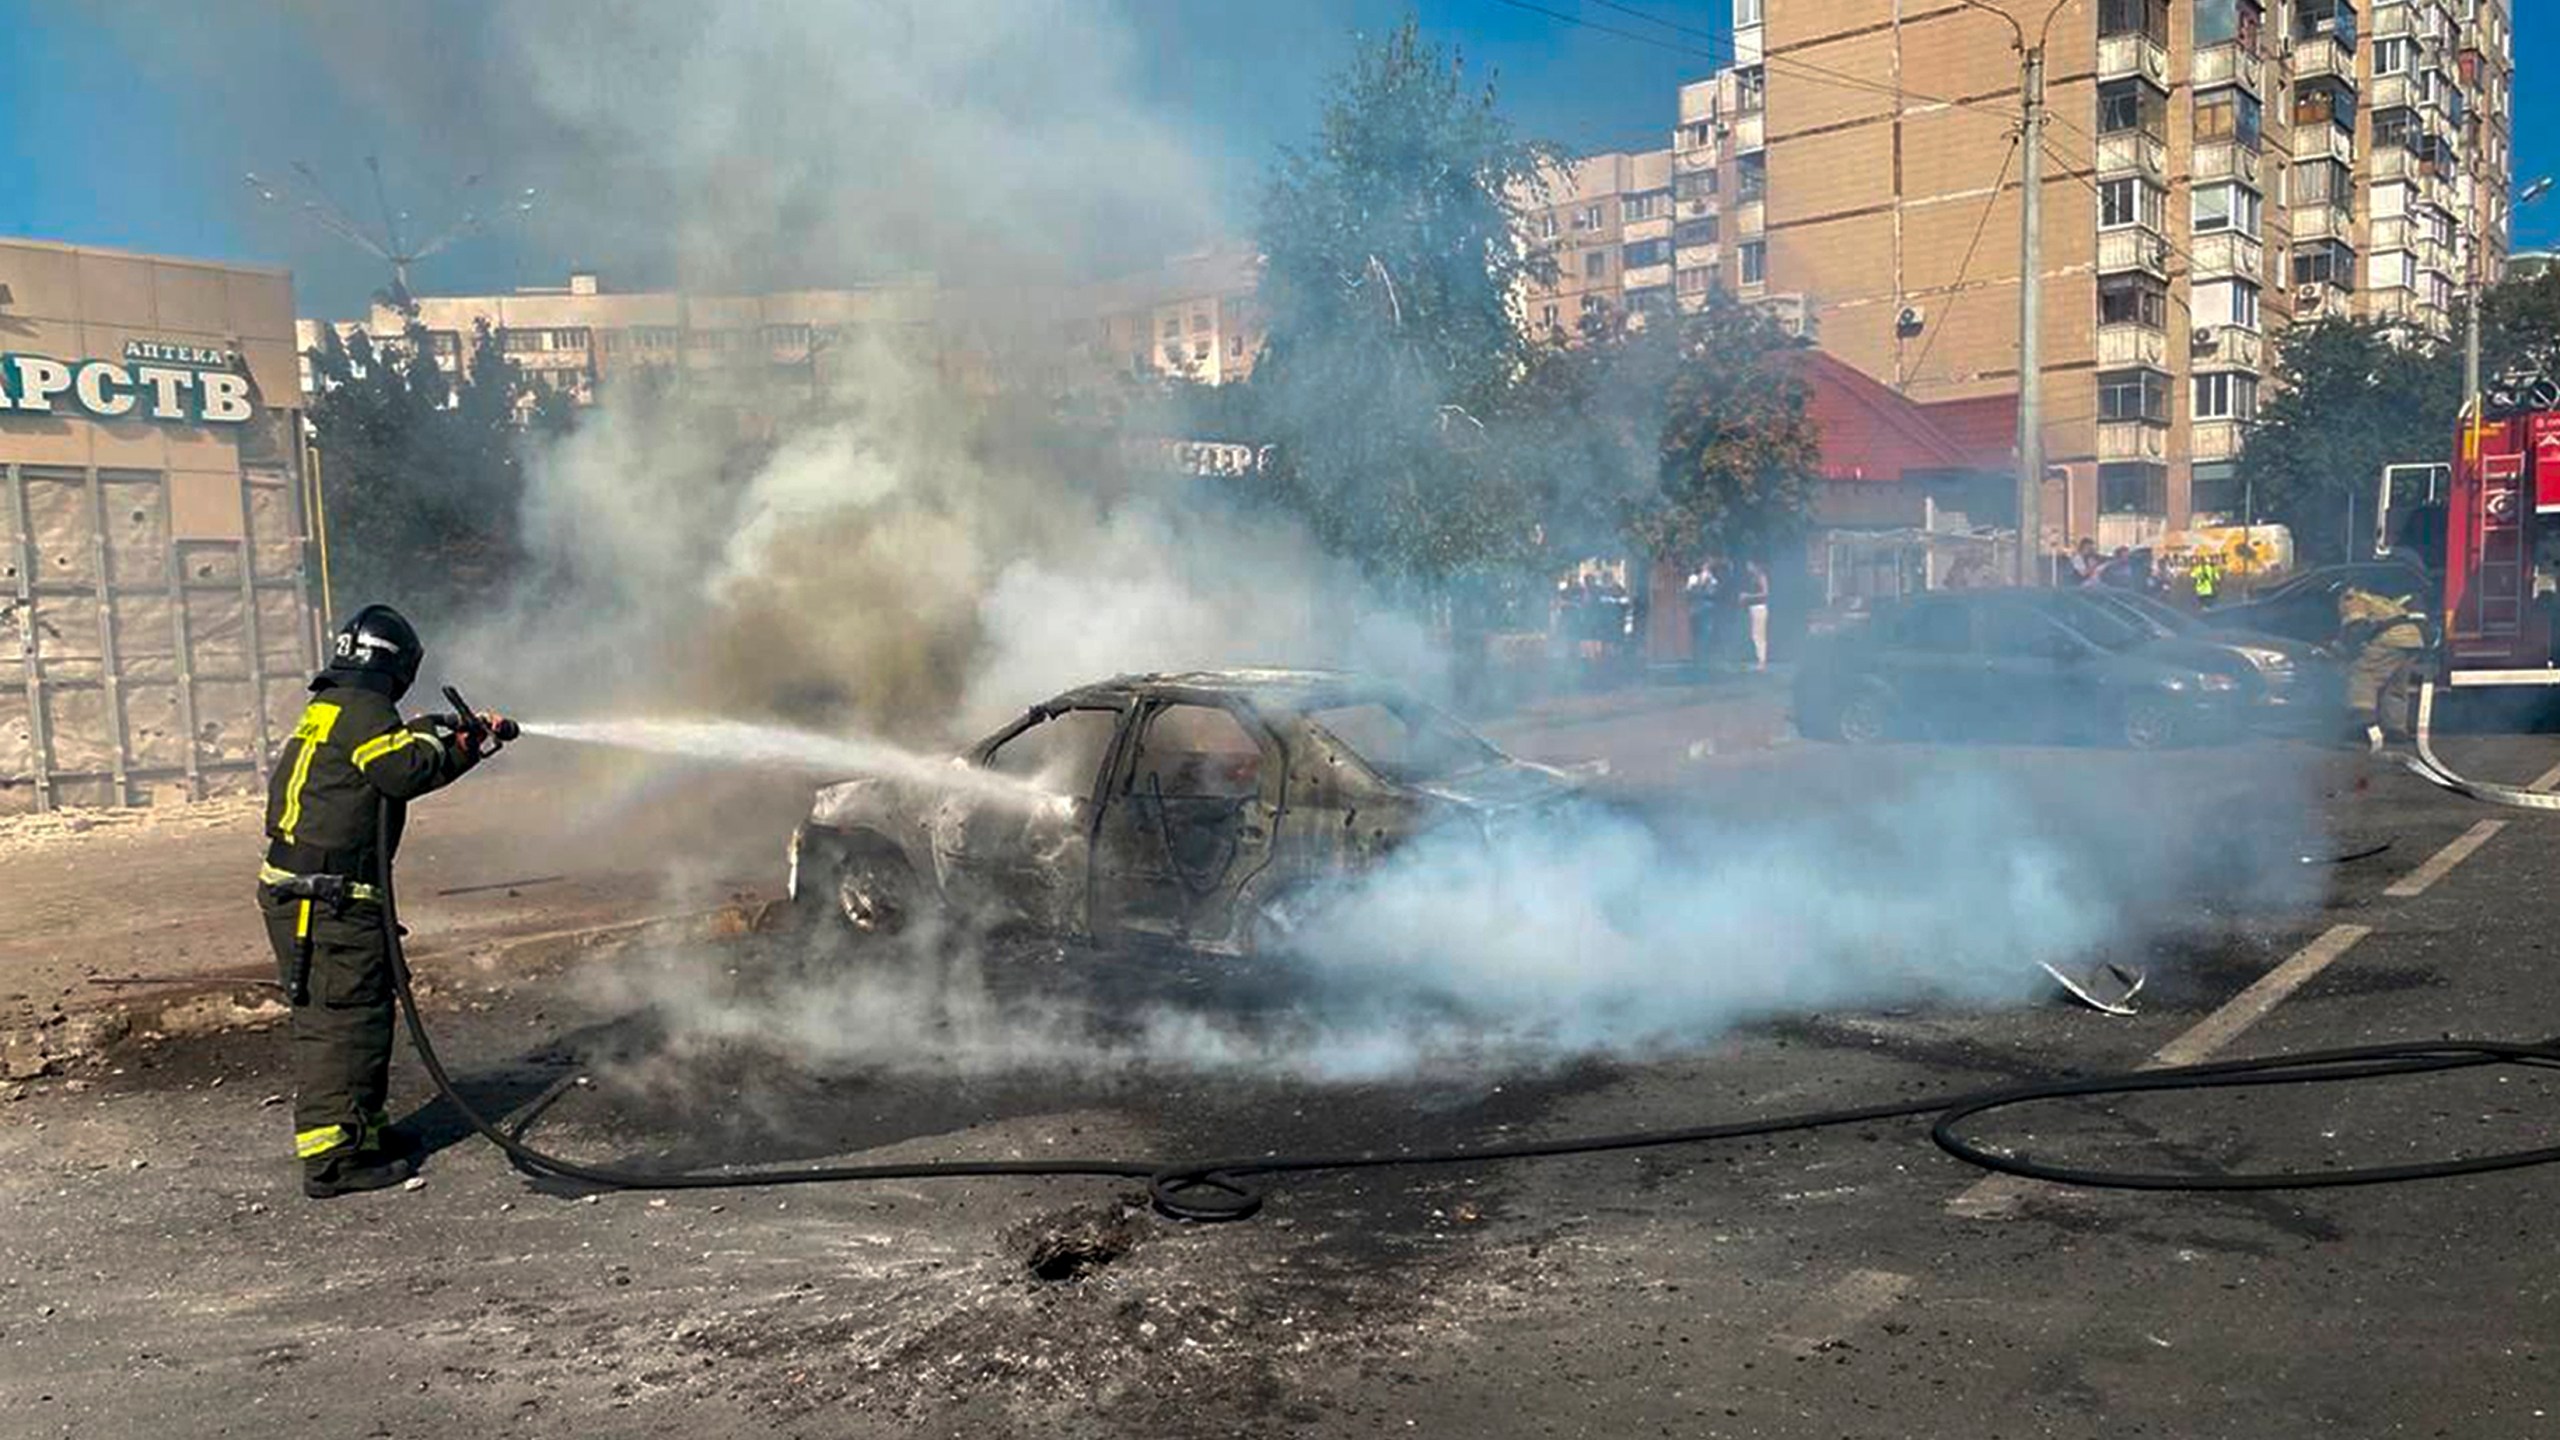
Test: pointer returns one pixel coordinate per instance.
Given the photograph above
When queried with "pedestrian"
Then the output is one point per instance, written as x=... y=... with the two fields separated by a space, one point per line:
x=2085 y=562
x=335 y=807
x=1703 y=589
x=1755 y=607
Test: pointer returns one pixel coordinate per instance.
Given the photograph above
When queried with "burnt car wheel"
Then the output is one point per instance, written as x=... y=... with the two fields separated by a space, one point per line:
x=1866 y=718
x=2151 y=723
x=858 y=881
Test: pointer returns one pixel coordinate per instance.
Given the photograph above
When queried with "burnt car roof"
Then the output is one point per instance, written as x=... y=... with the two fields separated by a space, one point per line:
x=1289 y=688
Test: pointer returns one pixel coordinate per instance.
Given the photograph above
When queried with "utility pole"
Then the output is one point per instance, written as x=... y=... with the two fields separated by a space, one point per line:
x=2030 y=282
x=2031 y=313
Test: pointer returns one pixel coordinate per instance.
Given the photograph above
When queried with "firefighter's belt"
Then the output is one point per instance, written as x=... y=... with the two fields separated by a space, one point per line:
x=330 y=890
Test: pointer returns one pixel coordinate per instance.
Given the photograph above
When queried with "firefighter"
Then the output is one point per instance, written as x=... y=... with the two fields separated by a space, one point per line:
x=2385 y=636
x=319 y=891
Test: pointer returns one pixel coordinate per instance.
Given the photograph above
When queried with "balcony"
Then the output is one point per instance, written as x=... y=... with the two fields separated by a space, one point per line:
x=2320 y=139
x=2132 y=152
x=2321 y=221
x=1641 y=277
x=1696 y=257
x=2434 y=254
x=2387 y=92
x=2125 y=251
x=2324 y=55
x=1656 y=228
x=2390 y=232
x=1751 y=217
x=2131 y=530
x=2392 y=19
x=2122 y=57
x=2226 y=254
x=2225 y=347
x=2393 y=162
x=1750 y=132
x=2227 y=160
x=2121 y=346
x=2133 y=440
x=2213 y=439
x=2228 y=64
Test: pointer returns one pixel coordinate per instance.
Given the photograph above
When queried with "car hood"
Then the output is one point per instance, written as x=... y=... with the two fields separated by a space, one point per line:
x=2184 y=656
x=1503 y=786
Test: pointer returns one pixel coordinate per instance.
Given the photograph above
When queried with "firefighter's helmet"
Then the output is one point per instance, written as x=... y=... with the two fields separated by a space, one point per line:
x=378 y=640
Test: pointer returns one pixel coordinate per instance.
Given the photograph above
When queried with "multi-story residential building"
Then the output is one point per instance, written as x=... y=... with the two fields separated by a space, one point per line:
x=1194 y=316
x=1606 y=223
x=2214 y=168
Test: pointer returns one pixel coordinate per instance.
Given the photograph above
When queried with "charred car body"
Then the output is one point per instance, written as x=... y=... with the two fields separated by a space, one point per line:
x=1210 y=810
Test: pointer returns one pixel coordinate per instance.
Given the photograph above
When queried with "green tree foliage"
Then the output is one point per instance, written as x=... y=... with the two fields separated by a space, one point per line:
x=2346 y=398
x=1739 y=455
x=1394 y=260
x=421 y=470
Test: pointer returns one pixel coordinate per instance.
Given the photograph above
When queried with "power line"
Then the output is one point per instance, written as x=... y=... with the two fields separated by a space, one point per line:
x=1956 y=292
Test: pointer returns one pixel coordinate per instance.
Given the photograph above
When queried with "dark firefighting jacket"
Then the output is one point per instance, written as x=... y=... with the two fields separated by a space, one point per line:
x=350 y=752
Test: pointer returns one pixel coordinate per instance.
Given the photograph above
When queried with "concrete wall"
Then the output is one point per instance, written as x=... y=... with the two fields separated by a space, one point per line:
x=155 y=627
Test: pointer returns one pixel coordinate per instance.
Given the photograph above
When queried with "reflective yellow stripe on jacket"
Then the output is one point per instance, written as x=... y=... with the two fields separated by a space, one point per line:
x=318 y=719
x=308 y=1144
x=382 y=745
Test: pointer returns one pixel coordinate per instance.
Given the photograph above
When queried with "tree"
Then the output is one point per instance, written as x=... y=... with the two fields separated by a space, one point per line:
x=420 y=470
x=2346 y=398
x=1394 y=257
x=1739 y=455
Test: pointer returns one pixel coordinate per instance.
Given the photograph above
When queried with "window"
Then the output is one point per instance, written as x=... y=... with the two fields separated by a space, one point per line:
x=2324 y=262
x=1404 y=740
x=2214 y=488
x=1693 y=184
x=1199 y=321
x=1697 y=280
x=1235 y=346
x=1645 y=252
x=1590 y=217
x=2226 y=302
x=1547 y=316
x=1752 y=177
x=2130 y=201
x=1751 y=90
x=1595 y=265
x=2019 y=632
x=2133 y=300
x=1173 y=354
x=2397 y=129
x=1172 y=327
x=1647 y=206
x=2227 y=206
x=1196 y=752
x=2133 y=395
x=2229 y=114
x=2323 y=182
x=1695 y=232
x=786 y=337
x=1755 y=262
x=1547 y=225
x=653 y=337
x=2129 y=105
x=1062 y=754
x=2223 y=395
x=1200 y=349
x=2391 y=55
x=1593 y=308
x=2134 y=489
x=2134 y=17
x=1746 y=12
x=2229 y=22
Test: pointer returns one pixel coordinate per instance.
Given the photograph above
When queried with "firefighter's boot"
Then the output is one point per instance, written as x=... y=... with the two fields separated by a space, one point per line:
x=350 y=1170
x=383 y=1139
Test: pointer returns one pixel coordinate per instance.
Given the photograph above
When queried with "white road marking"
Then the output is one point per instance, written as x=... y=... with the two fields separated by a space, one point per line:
x=2440 y=864
x=1997 y=1196
x=1839 y=1308
x=2546 y=779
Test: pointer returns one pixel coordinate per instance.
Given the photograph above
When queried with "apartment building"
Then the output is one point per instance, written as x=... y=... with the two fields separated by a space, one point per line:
x=571 y=338
x=1606 y=222
x=1194 y=316
x=2214 y=169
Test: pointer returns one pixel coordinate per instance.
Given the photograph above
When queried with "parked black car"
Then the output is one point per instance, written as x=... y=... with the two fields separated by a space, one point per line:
x=2290 y=685
x=2306 y=607
x=2017 y=664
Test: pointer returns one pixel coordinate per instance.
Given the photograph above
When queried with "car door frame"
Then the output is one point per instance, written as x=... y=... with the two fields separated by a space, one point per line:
x=987 y=881
x=1204 y=912
x=2058 y=683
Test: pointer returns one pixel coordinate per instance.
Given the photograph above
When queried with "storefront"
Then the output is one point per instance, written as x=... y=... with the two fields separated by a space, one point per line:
x=156 y=621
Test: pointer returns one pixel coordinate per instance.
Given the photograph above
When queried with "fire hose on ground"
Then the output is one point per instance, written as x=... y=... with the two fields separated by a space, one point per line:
x=1234 y=1188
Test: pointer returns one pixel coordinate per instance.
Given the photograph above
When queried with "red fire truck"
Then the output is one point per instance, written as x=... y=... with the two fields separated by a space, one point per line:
x=2488 y=528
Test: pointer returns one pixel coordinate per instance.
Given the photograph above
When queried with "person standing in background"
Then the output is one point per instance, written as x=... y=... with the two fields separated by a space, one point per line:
x=1702 y=590
x=1755 y=606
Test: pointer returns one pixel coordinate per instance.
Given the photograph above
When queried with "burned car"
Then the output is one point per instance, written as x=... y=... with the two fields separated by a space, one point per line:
x=1210 y=810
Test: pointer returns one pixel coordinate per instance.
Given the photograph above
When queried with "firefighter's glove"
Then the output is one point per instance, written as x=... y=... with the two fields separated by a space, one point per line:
x=491 y=735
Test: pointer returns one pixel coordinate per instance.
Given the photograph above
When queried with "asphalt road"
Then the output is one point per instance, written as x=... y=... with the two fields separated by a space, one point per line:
x=159 y=1275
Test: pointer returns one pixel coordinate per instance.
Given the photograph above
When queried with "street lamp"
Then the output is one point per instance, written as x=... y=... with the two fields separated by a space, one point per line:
x=2471 y=401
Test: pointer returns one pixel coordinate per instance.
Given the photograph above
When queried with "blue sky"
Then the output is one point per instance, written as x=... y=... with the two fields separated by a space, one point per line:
x=133 y=130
